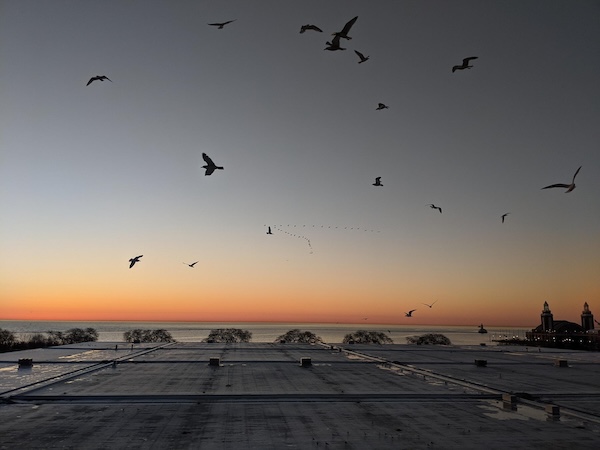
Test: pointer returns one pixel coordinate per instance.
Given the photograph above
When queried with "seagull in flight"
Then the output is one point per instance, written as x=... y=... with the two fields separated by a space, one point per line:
x=432 y=206
x=381 y=106
x=345 y=30
x=409 y=314
x=431 y=304
x=362 y=57
x=269 y=232
x=569 y=187
x=304 y=28
x=334 y=44
x=465 y=64
x=192 y=264
x=210 y=165
x=221 y=24
x=132 y=261
x=98 y=77
x=504 y=215
x=377 y=182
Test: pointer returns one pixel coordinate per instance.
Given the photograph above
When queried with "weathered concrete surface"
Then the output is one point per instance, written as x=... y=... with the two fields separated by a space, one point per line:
x=260 y=397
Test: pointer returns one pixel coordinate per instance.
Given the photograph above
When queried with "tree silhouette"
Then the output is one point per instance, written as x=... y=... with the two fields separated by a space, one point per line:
x=429 y=339
x=367 y=337
x=138 y=335
x=229 y=335
x=300 y=337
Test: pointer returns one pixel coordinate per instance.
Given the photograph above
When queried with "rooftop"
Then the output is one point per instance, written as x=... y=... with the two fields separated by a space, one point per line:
x=260 y=396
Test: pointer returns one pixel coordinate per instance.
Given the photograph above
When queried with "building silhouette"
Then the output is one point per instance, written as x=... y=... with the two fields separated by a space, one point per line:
x=565 y=334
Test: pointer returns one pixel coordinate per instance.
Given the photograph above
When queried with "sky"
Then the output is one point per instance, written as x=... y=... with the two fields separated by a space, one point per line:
x=91 y=176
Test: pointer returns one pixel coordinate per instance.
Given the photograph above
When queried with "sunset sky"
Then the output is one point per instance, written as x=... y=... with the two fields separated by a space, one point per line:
x=91 y=176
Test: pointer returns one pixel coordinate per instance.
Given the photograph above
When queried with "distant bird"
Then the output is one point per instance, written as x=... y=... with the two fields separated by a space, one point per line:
x=504 y=215
x=345 y=30
x=362 y=57
x=381 y=106
x=465 y=64
x=409 y=314
x=304 y=28
x=431 y=304
x=222 y=24
x=432 y=206
x=377 y=182
x=132 y=261
x=569 y=187
x=269 y=232
x=334 y=44
x=210 y=165
x=98 y=77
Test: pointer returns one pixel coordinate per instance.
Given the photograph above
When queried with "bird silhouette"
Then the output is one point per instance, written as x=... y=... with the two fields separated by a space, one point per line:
x=98 y=77
x=304 y=28
x=269 y=232
x=132 y=261
x=465 y=64
x=504 y=215
x=210 y=165
x=220 y=25
x=345 y=30
x=431 y=304
x=381 y=106
x=377 y=182
x=362 y=57
x=569 y=187
x=409 y=314
x=432 y=206
x=334 y=44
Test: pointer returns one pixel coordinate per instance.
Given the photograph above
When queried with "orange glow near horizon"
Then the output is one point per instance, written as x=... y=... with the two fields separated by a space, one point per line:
x=218 y=308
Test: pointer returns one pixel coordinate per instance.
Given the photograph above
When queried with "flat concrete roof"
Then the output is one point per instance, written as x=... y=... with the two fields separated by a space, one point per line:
x=259 y=396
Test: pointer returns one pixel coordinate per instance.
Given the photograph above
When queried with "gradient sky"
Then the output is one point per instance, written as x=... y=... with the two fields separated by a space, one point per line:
x=92 y=176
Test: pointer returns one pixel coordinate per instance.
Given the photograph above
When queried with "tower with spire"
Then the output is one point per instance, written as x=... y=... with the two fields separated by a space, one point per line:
x=587 y=318
x=547 y=318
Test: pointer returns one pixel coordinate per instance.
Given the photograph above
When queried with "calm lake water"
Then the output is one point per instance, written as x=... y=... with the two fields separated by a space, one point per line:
x=265 y=332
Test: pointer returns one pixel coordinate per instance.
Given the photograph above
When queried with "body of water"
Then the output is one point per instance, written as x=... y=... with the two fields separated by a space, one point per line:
x=264 y=332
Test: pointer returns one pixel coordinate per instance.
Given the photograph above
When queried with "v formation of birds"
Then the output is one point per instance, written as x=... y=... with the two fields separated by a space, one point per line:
x=335 y=45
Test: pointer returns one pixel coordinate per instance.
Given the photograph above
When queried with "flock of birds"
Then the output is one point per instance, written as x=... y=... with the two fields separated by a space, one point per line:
x=335 y=45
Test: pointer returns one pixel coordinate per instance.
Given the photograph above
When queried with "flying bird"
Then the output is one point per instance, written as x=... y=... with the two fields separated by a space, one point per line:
x=465 y=64
x=362 y=57
x=132 y=261
x=432 y=206
x=222 y=24
x=431 y=304
x=345 y=30
x=334 y=44
x=377 y=182
x=192 y=264
x=210 y=165
x=304 y=28
x=269 y=232
x=409 y=314
x=569 y=187
x=381 y=106
x=98 y=77
x=504 y=215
